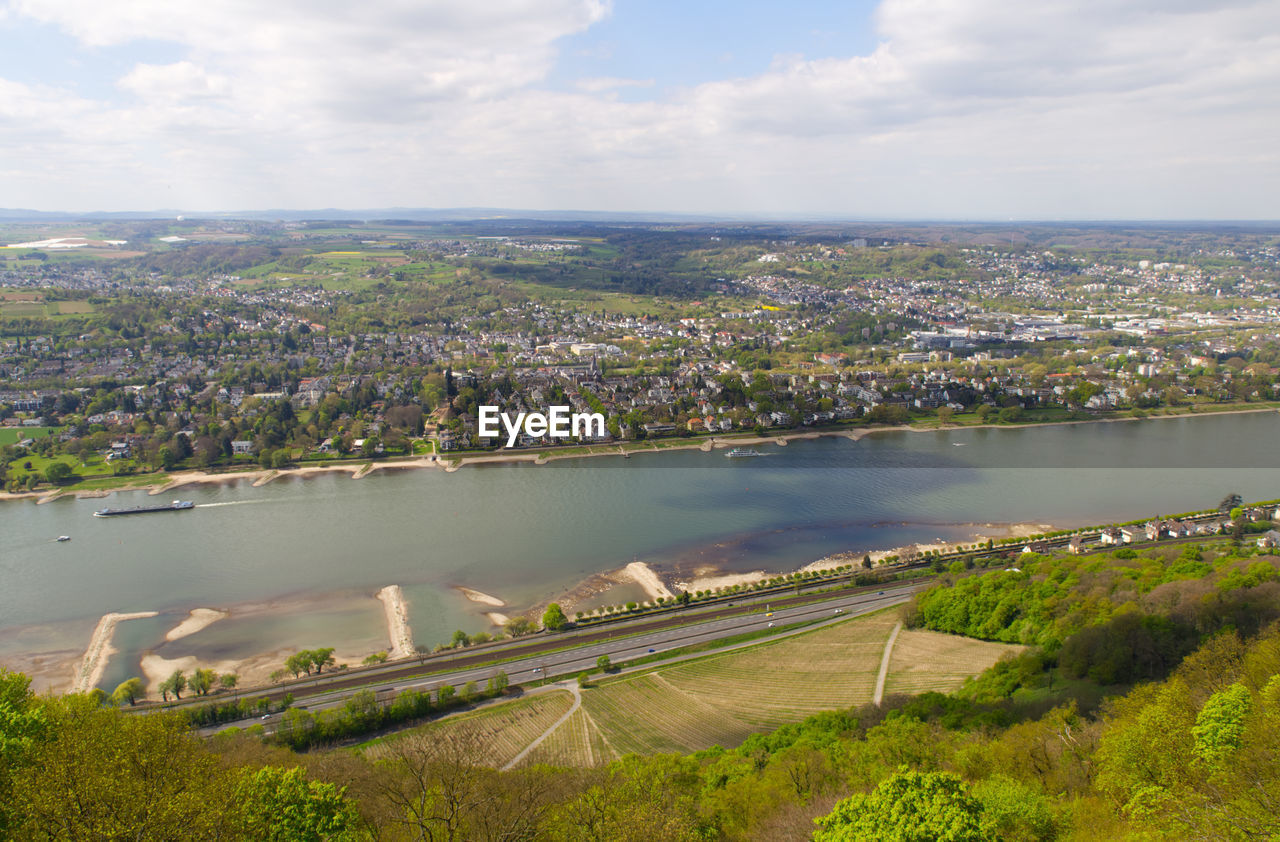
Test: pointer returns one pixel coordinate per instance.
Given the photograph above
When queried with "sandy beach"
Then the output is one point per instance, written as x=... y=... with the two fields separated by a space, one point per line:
x=401 y=637
x=100 y=650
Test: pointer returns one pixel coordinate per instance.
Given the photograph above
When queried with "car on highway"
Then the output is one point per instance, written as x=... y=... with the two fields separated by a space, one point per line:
x=265 y=716
x=770 y=614
x=771 y=625
x=651 y=651
x=838 y=611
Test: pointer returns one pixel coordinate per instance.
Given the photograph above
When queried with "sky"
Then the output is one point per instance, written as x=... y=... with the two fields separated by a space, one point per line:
x=901 y=109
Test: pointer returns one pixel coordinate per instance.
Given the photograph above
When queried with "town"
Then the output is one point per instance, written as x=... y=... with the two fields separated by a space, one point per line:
x=200 y=344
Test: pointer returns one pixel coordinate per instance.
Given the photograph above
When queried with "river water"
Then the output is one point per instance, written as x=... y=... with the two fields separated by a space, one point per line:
x=523 y=532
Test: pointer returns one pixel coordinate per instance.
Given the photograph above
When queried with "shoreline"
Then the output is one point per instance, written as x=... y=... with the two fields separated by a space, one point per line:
x=362 y=469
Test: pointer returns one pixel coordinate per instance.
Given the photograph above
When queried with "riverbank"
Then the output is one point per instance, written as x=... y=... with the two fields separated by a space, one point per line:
x=360 y=469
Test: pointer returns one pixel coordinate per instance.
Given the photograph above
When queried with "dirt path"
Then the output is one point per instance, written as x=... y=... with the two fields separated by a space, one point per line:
x=884 y=665
x=577 y=703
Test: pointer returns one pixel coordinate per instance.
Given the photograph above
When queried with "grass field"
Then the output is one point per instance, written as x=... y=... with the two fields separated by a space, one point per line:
x=13 y=435
x=501 y=731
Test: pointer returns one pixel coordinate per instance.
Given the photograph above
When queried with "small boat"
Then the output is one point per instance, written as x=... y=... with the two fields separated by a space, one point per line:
x=740 y=452
x=958 y=444
x=64 y=537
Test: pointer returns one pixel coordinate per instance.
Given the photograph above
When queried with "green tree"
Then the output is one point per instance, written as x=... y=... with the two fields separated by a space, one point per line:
x=128 y=691
x=281 y=805
x=498 y=684
x=553 y=618
x=460 y=639
x=908 y=806
x=23 y=726
x=202 y=681
x=518 y=626
x=603 y=663
x=57 y=472
x=322 y=658
x=111 y=775
x=1220 y=724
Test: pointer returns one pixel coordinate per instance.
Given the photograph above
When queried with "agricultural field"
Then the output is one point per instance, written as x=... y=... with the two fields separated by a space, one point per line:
x=578 y=742
x=929 y=660
x=502 y=731
x=722 y=699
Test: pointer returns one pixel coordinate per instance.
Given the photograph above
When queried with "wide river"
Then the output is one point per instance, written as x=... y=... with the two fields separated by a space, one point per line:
x=524 y=532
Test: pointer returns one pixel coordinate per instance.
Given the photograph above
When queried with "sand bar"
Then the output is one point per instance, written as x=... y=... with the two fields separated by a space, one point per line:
x=643 y=575
x=99 y=652
x=398 y=631
x=724 y=580
x=497 y=618
x=480 y=597
x=198 y=619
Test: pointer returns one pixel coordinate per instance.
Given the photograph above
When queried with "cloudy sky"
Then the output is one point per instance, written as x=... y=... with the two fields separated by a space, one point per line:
x=961 y=109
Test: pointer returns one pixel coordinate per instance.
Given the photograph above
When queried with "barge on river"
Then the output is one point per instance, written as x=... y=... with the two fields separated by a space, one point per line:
x=175 y=506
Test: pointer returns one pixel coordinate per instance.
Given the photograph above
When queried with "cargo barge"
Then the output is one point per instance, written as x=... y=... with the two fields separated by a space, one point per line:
x=175 y=506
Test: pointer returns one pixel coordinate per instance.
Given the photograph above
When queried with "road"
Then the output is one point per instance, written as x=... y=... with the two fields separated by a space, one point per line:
x=629 y=645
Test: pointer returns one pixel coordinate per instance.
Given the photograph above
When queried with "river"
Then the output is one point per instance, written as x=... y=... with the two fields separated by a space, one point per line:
x=325 y=544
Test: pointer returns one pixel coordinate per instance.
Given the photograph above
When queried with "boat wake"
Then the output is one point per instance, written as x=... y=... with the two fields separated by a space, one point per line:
x=229 y=503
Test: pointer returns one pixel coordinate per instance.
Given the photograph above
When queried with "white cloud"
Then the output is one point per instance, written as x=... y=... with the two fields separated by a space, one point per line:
x=987 y=108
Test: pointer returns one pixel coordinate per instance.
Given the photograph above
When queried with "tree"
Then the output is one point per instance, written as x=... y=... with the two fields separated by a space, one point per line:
x=281 y=805
x=460 y=639
x=57 y=472
x=175 y=788
x=228 y=680
x=498 y=684
x=322 y=658
x=1220 y=724
x=518 y=626
x=298 y=663
x=175 y=684
x=23 y=726
x=202 y=681
x=553 y=618
x=907 y=807
x=603 y=663
x=128 y=691
x=376 y=658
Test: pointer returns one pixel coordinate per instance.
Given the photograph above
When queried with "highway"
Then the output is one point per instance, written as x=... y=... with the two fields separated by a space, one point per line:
x=624 y=643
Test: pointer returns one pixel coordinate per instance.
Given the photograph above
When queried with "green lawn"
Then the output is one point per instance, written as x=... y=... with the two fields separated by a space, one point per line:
x=13 y=435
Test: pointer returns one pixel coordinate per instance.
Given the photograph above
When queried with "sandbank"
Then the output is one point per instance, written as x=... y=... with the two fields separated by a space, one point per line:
x=643 y=575
x=479 y=596
x=100 y=651
x=393 y=604
x=722 y=580
x=196 y=620
x=497 y=618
